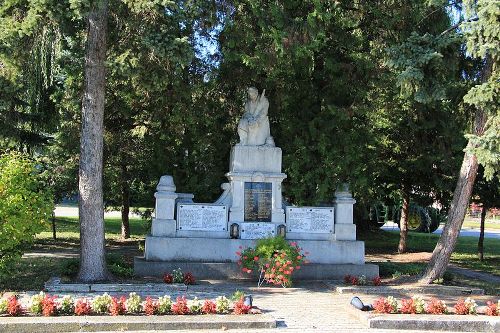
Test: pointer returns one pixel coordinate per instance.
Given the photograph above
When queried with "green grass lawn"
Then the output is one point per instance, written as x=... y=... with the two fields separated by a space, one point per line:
x=488 y=224
x=465 y=254
x=68 y=228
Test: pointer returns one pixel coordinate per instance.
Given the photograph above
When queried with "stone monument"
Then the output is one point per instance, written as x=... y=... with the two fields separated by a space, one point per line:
x=203 y=237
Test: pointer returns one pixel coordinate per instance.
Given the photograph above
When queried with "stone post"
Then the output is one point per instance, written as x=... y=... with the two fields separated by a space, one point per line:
x=164 y=222
x=345 y=229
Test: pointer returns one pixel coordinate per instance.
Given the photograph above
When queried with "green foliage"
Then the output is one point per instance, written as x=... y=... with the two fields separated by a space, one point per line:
x=25 y=206
x=164 y=304
x=237 y=295
x=134 y=303
x=482 y=39
x=35 y=304
x=101 y=303
x=222 y=304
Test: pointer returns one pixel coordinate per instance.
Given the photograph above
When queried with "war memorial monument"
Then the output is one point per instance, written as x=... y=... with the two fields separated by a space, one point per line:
x=204 y=237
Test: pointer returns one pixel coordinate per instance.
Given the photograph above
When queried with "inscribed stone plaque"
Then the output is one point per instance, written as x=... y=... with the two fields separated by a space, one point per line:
x=202 y=217
x=258 y=201
x=257 y=230
x=310 y=220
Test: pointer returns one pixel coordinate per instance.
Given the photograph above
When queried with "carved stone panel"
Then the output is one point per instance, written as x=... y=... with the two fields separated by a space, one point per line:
x=258 y=201
x=309 y=219
x=202 y=217
x=257 y=230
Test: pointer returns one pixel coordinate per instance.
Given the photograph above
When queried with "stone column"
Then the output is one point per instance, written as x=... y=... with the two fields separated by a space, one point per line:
x=345 y=229
x=164 y=223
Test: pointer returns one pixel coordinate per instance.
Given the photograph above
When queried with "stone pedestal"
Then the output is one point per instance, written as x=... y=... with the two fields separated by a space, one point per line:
x=345 y=229
x=255 y=178
x=164 y=223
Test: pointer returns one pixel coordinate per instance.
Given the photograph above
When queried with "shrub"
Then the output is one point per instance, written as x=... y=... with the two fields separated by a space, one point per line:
x=67 y=305
x=117 y=306
x=240 y=307
x=13 y=306
x=101 y=303
x=164 y=305
x=49 y=306
x=82 y=307
x=209 y=307
x=133 y=303
x=238 y=294
x=347 y=279
x=168 y=278
x=377 y=281
x=178 y=276
x=180 y=306
x=35 y=304
x=3 y=305
x=436 y=306
x=362 y=280
x=189 y=278
x=275 y=258
x=26 y=206
x=195 y=306
x=492 y=309
x=150 y=306
x=222 y=304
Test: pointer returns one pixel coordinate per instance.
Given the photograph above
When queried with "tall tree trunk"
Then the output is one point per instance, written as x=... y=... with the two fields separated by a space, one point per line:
x=403 y=223
x=446 y=245
x=92 y=242
x=480 y=242
x=125 y=191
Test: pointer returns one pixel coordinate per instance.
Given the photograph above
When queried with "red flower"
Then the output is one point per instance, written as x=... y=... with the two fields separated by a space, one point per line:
x=377 y=281
x=49 y=306
x=461 y=308
x=13 y=306
x=299 y=257
x=117 y=306
x=82 y=307
x=189 y=278
x=168 y=278
x=255 y=258
x=150 y=306
x=435 y=306
x=408 y=306
x=240 y=307
x=209 y=307
x=180 y=306
x=492 y=309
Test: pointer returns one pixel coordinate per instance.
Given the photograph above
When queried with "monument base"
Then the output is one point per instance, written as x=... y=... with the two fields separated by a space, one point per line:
x=224 y=250
x=226 y=270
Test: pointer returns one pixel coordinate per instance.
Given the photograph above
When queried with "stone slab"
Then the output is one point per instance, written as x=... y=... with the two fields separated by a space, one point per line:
x=219 y=271
x=432 y=289
x=310 y=219
x=250 y=230
x=255 y=158
x=58 y=287
x=425 y=322
x=202 y=217
x=134 y=323
x=223 y=250
x=163 y=228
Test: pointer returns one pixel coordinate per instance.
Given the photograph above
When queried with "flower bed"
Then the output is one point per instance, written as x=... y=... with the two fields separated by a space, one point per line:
x=416 y=305
x=362 y=280
x=50 y=305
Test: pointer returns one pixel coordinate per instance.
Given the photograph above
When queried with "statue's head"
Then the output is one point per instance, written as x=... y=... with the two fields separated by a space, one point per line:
x=253 y=93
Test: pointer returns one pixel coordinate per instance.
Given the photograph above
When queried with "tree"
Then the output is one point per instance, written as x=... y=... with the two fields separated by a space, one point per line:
x=483 y=38
x=25 y=206
x=92 y=237
x=487 y=194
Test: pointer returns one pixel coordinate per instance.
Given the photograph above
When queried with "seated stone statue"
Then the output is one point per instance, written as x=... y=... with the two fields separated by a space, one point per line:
x=253 y=127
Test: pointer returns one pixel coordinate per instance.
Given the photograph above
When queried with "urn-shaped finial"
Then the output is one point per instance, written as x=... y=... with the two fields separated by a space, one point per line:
x=166 y=184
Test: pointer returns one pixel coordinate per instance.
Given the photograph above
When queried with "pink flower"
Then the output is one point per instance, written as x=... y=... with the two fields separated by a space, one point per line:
x=297 y=267
x=238 y=253
x=255 y=258
x=294 y=244
x=249 y=271
x=299 y=257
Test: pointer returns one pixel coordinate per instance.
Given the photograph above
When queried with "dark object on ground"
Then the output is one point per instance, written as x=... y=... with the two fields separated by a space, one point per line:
x=358 y=304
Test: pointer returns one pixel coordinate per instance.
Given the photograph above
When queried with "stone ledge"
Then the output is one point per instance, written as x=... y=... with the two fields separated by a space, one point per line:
x=54 y=285
x=134 y=323
x=222 y=271
x=425 y=322
x=381 y=290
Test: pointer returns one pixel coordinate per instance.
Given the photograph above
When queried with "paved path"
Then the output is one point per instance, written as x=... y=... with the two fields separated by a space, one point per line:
x=309 y=307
